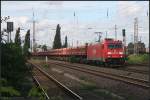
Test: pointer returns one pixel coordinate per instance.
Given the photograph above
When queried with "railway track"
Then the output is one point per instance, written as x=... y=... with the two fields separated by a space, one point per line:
x=143 y=65
x=130 y=80
x=38 y=84
x=63 y=87
x=134 y=70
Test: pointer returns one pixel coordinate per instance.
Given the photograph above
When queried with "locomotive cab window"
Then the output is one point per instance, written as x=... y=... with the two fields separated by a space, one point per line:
x=118 y=46
x=114 y=46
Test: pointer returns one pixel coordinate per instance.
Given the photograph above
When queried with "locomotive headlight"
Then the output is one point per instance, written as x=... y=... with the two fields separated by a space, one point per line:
x=120 y=52
x=109 y=53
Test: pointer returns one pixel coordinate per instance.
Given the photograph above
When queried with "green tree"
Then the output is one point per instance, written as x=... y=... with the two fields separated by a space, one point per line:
x=13 y=65
x=27 y=44
x=17 y=37
x=44 y=48
x=57 y=39
x=66 y=43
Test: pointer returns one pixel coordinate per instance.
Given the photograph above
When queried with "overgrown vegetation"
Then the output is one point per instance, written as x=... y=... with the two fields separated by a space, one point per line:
x=36 y=92
x=46 y=65
x=13 y=65
x=7 y=90
x=136 y=59
x=14 y=71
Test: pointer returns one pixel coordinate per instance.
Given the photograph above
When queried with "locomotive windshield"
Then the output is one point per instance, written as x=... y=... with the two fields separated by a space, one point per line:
x=114 y=46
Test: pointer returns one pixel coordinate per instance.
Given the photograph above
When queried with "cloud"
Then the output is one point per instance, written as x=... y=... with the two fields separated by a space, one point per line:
x=129 y=8
x=50 y=13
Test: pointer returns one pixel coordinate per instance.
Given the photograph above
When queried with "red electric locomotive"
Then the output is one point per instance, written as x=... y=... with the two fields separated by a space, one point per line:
x=108 y=51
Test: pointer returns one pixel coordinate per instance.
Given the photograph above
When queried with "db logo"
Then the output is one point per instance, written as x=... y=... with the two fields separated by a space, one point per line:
x=114 y=52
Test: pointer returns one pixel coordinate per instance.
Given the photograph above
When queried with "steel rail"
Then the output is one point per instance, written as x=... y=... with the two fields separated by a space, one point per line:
x=131 y=80
x=143 y=65
x=38 y=83
x=135 y=71
x=58 y=83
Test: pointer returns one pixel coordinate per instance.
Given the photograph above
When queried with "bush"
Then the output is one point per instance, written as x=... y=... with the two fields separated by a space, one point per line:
x=46 y=65
x=36 y=92
x=13 y=69
x=7 y=90
x=133 y=59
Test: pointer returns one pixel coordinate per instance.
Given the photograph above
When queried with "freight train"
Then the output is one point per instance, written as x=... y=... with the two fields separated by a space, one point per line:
x=108 y=52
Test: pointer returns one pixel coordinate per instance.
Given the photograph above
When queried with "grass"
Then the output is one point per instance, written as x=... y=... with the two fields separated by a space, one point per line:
x=88 y=86
x=138 y=59
x=45 y=65
x=36 y=92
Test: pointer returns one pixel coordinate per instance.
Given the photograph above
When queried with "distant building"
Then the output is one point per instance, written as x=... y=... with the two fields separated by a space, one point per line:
x=141 y=48
x=130 y=48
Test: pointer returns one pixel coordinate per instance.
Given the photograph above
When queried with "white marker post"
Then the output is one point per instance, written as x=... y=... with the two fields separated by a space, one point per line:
x=46 y=59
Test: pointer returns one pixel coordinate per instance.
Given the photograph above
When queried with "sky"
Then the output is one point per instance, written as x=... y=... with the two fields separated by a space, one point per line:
x=79 y=20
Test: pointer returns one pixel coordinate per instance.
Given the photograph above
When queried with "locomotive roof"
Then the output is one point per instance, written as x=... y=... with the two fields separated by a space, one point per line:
x=112 y=41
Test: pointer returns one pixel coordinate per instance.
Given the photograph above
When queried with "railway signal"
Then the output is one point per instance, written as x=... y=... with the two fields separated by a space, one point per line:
x=9 y=30
x=124 y=40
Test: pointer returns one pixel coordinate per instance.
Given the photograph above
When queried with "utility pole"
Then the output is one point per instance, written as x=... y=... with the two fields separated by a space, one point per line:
x=107 y=13
x=136 y=35
x=33 y=34
x=74 y=22
x=115 y=32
